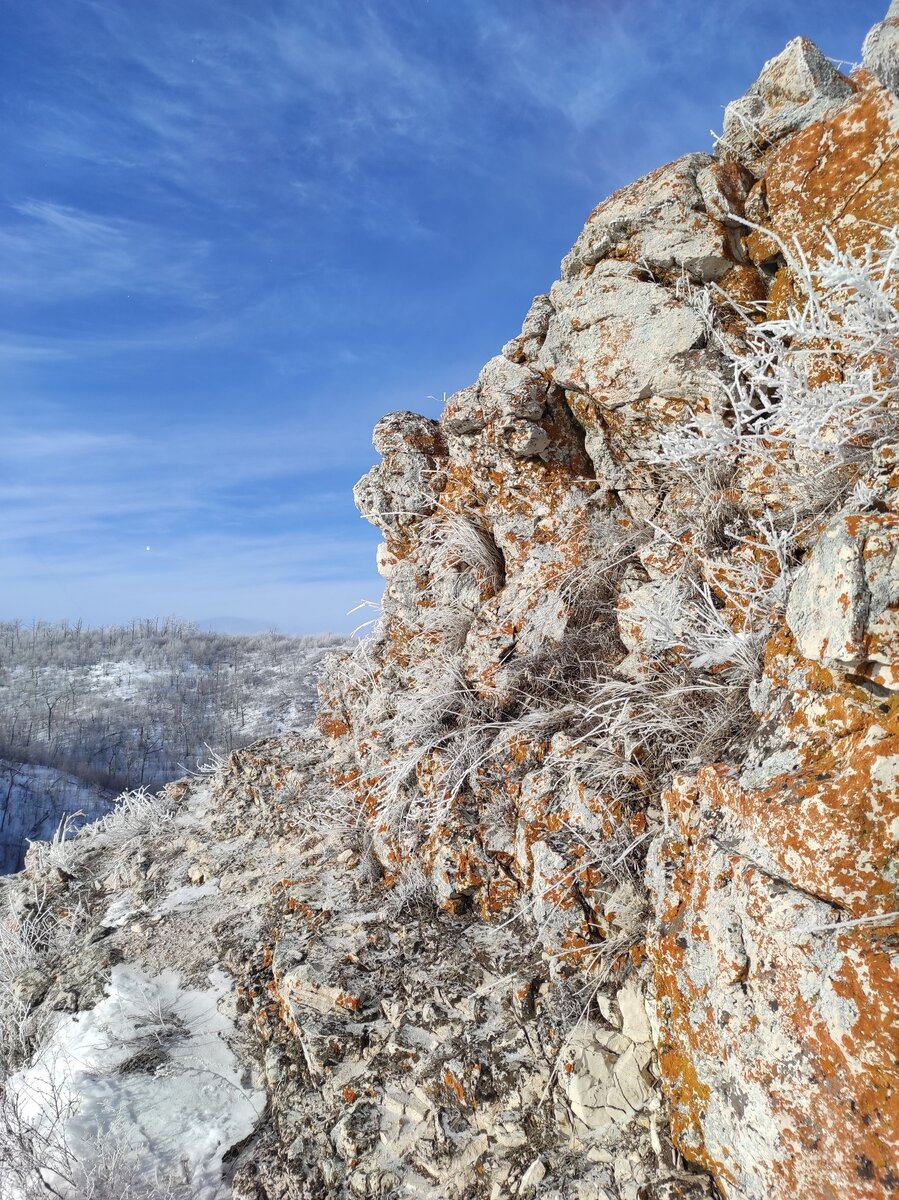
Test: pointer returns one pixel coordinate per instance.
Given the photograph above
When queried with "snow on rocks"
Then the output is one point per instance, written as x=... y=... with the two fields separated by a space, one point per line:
x=127 y=1055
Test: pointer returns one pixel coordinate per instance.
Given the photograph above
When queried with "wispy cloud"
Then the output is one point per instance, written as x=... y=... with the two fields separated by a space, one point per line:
x=215 y=92
x=16 y=350
x=23 y=445
x=233 y=234
x=321 y=97
x=71 y=481
x=49 y=251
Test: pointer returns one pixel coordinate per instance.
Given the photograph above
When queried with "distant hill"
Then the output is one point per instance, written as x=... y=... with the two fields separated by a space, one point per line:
x=238 y=625
x=88 y=713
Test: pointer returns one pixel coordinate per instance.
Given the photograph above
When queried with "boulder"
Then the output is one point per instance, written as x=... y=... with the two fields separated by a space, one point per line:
x=880 y=53
x=797 y=88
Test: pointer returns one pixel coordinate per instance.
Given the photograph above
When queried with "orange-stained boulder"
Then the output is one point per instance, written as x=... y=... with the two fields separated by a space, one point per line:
x=778 y=1034
x=778 y=1029
x=839 y=175
x=797 y=87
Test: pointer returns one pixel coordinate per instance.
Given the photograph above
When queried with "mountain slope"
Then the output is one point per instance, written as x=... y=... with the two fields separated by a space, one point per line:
x=88 y=713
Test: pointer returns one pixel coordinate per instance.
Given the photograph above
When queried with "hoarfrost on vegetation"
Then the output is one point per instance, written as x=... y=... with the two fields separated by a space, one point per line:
x=87 y=713
x=813 y=395
x=820 y=381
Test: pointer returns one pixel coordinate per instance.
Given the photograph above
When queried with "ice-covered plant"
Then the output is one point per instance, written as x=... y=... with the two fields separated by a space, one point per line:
x=818 y=386
x=135 y=813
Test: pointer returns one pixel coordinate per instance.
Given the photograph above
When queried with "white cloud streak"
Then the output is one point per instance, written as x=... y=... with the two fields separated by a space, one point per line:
x=72 y=482
x=50 y=252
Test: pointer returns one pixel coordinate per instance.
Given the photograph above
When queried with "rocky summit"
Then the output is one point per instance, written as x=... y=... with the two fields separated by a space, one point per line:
x=586 y=885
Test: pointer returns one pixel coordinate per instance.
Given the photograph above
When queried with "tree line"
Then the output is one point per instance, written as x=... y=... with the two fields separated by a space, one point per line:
x=125 y=706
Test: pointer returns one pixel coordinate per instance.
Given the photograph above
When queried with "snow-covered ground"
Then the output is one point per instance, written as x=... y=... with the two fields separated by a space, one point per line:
x=130 y=1067
x=143 y=1084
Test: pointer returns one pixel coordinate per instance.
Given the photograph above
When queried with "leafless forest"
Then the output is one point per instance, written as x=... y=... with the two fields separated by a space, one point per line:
x=86 y=713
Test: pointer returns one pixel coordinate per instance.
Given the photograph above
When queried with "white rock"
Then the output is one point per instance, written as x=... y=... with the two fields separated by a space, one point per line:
x=848 y=583
x=591 y=1191
x=794 y=89
x=631 y=1083
x=660 y=220
x=533 y=1176
x=634 y=1019
x=881 y=50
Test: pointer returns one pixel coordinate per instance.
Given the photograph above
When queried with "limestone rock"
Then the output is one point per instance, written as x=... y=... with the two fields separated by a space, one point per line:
x=660 y=222
x=798 y=87
x=725 y=187
x=526 y=347
x=881 y=50
x=842 y=604
x=550 y=571
x=403 y=486
x=765 y=994
x=836 y=176
x=763 y=1005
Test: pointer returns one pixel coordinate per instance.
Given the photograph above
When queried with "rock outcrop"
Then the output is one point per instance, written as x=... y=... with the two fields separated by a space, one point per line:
x=587 y=885
x=881 y=49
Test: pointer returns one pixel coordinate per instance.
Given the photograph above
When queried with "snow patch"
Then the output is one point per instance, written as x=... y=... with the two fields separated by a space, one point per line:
x=183 y=897
x=150 y=1069
x=118 y=913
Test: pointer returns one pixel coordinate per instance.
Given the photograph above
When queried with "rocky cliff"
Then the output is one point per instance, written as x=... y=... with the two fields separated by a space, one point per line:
x=587 y=886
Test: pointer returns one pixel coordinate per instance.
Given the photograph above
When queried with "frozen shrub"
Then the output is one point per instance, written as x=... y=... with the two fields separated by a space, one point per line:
x=813 y=391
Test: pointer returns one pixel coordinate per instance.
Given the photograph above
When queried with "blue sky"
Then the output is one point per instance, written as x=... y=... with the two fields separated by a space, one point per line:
x=233 y=233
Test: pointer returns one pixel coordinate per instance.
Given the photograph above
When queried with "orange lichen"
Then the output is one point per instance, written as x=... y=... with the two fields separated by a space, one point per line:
x=840 y=175
x=454 y=1085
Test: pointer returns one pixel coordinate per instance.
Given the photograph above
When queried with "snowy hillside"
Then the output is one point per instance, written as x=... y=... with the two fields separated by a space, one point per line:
x=88 y=713
x=33 y=799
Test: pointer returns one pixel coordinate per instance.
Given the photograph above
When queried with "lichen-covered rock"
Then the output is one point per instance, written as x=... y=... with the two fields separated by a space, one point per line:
x=795 y=89
x=881 y=50
x=838 y=177
x=632 y=357
x=842 y=605
x=402 y=487
x=777 y=1028
x=724 y=187
x=661 y=222
x=562 y=572
x=776 y=892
